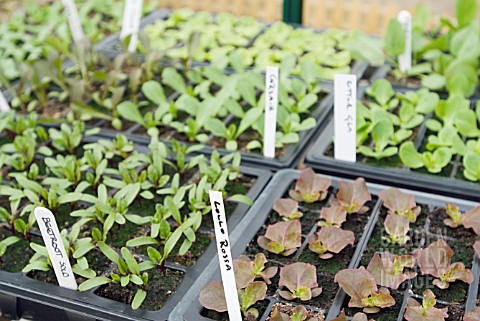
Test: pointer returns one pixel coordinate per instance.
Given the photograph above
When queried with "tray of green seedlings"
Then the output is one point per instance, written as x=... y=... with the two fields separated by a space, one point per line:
x=444 y=59
x=225 y=112
x=411 y=139
x=135 y=220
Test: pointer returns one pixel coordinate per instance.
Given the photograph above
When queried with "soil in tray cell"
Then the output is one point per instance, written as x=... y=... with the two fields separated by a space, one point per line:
x=119 y=234
x=159 y=288
x=289 y=310
x=389 y=162
x=261 y=306
x=409 y=82
x=385 y=314
x=16 y=256
x=455 y=311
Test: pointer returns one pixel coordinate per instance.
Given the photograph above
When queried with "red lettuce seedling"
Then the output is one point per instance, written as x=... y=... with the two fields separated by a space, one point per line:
x=469 y=219
x=282 y=238
x=359 y=316
x=435 y=260
x=472 y=315
x=425 y=311
x=301 y=281
x=246 y=271
x=360 y=285
x=310 y=187
x=476 y=247
x=300 y=313
x=330 y=239
x=353 y=196
x=333 y=216
x=400 y=203
x=397 y=228
x=287 y=209
x=388 y=269
x=212 y=297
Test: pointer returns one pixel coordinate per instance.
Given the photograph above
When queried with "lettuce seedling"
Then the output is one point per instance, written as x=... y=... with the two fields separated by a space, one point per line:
x=310 y=187
x=301 y=281
x=476 y=247
x=246 y=271
x=425 y=311
x=330 y=239
x=433 y=162
x=287 y=209
x=387 y=269
x=299 y=313
x=382 y=92
x=353 y=196
x=212 y=297
x=282 y=238
x=383 y=134
x=471 y=163
x=360 y=285
x=359 y=316
x=397 y=228
x=469 y=219
x=472 y=315
x=400 y=203
x=334 y=215
x=436 y=261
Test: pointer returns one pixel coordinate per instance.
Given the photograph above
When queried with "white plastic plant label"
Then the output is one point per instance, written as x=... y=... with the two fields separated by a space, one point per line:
x=74 y=21
x=55 y=247
x=4 y=106
x=271 y=105
x=225 y=255
x=405 y=59
x=132 y=15
x=345 y=111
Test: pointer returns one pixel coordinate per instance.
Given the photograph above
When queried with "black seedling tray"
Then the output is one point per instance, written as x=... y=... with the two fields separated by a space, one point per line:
x=319 y=157
x=260 y=211
x=21 y=296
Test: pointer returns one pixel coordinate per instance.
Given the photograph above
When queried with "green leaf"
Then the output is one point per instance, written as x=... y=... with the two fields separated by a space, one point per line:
x=409 y=156
x=93 y=283
x=142 y=240
x=130 y=260
x=466 y=123
x=394 y=38
x=129 y=111
x=239 y=198
x=138 y=299
x=154 y=92
x=216 y=127
x=173 y=79
x=108 y=252
x=465 y=11
x=433 y=81
x=248 y=120
x=69 y=198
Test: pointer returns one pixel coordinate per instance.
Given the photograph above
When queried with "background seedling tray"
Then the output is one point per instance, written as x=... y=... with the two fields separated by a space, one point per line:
x=320 y=157
x=260 y=211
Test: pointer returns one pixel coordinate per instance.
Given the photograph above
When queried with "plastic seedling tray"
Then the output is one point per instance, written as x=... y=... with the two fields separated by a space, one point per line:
x=391 y=171
x=261 y=214
x=23 y=296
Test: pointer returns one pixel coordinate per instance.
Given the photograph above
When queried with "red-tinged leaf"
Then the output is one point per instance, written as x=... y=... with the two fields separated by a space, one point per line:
x=380 y=299
x=330 y=239
x=358 y=284
x=333 y=216
x=397 y=228
x=455 y=216
x=476 y=247
x=310 y=187
x=435 y=259
x=300 y=279
x=352 y=196
x=471 y=219
x=246 y=270
x=427 y=311
x=388 y=269
x=243 y=273
x=212 y=297
x=287 y=208
x=400 y=203
x=472 y=315
x=282 y=237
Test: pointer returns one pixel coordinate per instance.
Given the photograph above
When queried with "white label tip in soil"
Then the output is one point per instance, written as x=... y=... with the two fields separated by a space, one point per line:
x=4 y=106
x=405 y=59
x=271 y=106
x=132 y=15
x=55 y=248
x=345 y=120
x=225 y=255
